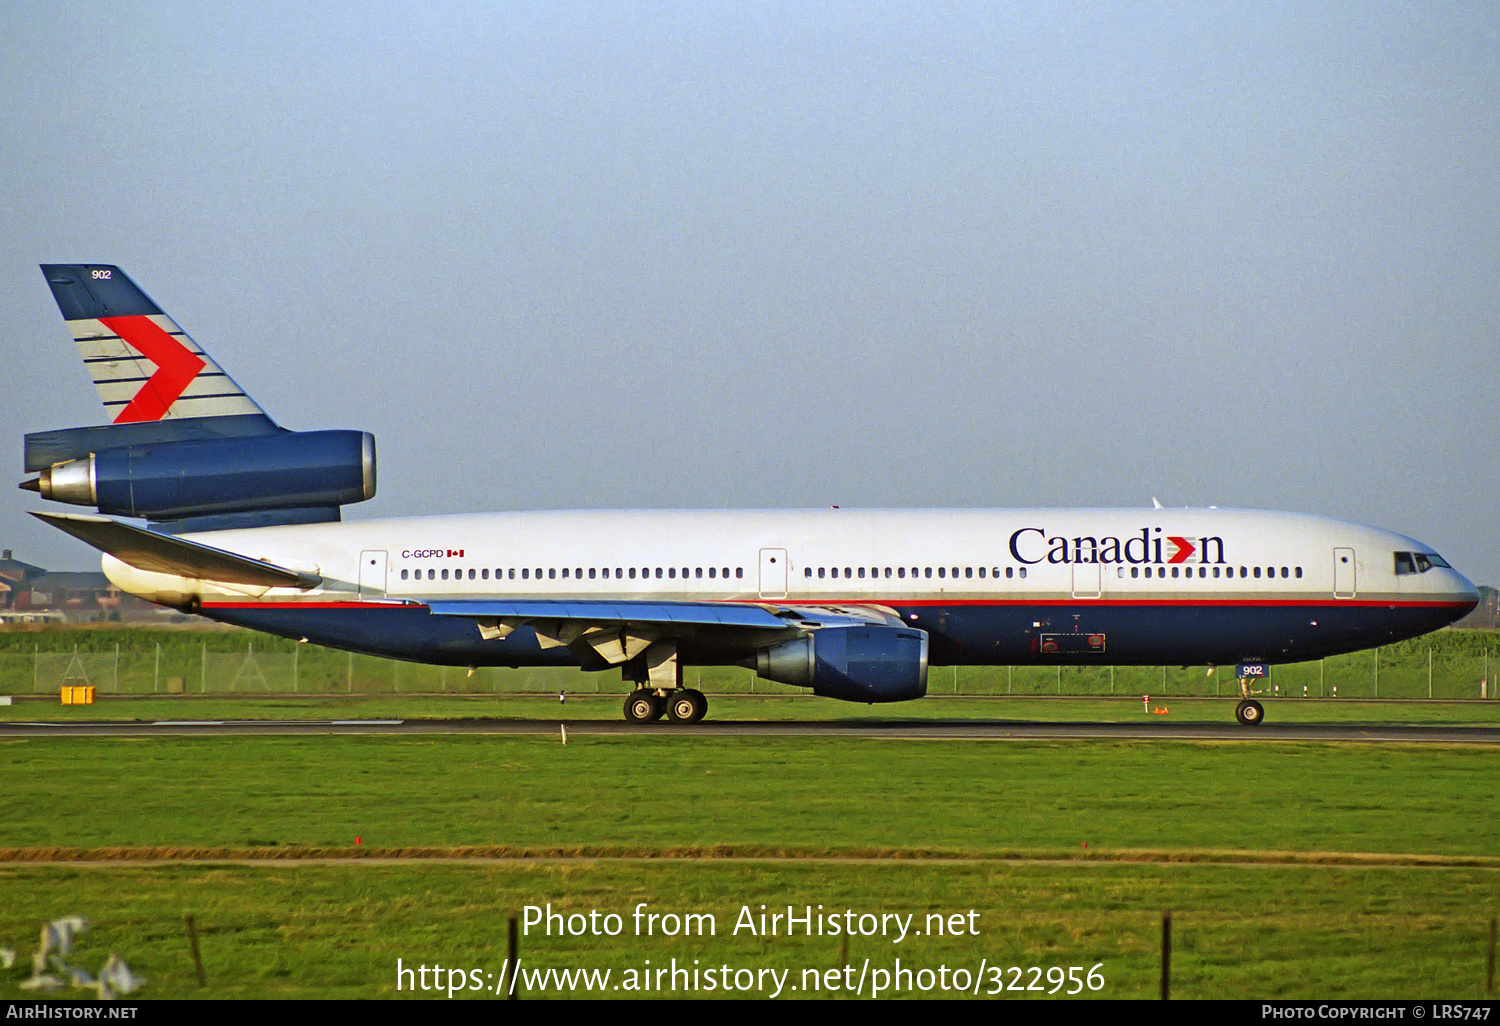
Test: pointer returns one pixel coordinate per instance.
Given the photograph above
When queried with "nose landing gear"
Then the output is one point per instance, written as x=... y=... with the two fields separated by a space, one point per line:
x=1250 y=713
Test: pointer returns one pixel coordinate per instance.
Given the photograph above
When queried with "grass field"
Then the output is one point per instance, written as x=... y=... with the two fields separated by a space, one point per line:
x=1447 y=665
x=1292 y=870
x=311 y=864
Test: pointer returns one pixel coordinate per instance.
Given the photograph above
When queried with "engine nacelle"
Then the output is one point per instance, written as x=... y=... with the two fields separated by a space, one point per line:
x=176 y=479
x=856 y=664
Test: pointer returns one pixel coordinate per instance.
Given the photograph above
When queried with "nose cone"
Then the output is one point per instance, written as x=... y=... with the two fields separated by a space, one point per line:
x=1466 y=591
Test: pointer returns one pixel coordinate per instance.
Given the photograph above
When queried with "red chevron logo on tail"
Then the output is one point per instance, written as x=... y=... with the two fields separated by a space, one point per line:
x=176 y=367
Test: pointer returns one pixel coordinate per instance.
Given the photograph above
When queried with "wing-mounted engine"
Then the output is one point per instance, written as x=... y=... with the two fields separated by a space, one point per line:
x=860 y=663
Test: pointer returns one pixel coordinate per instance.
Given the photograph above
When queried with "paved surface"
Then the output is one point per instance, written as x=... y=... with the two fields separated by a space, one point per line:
x=945 y=730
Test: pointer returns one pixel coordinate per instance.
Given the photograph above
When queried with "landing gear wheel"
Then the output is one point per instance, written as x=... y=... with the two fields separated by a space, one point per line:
x=1250 y=713
x=686 y=705
x=643 y=707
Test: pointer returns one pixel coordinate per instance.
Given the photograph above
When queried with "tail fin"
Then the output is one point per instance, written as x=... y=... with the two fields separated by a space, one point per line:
x=145 y=367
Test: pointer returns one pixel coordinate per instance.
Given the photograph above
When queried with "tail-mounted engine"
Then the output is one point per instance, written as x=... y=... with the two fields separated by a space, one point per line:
x=201 y=476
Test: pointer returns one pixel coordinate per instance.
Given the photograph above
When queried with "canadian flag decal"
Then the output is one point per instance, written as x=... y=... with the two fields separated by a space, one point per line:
x=456 y=552
x=176 y=367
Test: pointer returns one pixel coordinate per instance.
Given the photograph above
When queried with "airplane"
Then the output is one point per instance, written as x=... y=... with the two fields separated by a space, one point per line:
x=244 y=526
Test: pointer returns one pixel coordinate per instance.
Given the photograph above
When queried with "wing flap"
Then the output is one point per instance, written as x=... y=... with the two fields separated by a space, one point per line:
x=618 y=630
x=614 y=612
x=168 y=554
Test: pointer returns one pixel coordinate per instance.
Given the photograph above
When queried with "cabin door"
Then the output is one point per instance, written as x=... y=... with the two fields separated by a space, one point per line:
x=372 y=573
x=1343 y=573
x=773 y=573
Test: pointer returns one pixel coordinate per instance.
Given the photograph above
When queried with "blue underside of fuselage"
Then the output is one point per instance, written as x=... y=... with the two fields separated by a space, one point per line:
x=965 y=635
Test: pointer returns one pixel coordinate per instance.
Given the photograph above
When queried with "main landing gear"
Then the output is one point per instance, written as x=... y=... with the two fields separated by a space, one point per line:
x=681 y=705
x=657 y=676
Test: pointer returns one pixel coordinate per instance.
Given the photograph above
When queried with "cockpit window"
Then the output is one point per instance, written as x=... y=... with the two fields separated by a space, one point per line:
x=1418 y=562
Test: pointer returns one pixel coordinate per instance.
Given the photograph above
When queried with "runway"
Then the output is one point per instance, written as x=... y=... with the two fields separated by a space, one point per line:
x=888 y=730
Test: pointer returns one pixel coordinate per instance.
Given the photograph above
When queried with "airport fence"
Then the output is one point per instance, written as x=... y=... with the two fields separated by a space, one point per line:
x=1449 y=665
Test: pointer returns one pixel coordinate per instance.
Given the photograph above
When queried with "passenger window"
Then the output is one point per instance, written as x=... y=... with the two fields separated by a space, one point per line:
x=658 y=573
x=445 y=575
x=739 y=572
x=1298 y=573
x=942 y=571
x=861 y=573
x=1023 y=571
x=1257 y=573
x=968 y=572
x=820 y=573
x=1174 y=571
x=1135 y=571
x=1010 y=572
x=592 y=571
x=900 y=571
x=403 y=575
x=632 y=573
x=712 y=572
x=698 y=572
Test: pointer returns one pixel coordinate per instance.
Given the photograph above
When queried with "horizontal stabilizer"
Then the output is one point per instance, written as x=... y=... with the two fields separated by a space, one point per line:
x=166 y=554
x=44 y=448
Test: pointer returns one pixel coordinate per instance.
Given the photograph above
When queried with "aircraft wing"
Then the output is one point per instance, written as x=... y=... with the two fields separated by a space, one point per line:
x=620 y=630
x=168 y=554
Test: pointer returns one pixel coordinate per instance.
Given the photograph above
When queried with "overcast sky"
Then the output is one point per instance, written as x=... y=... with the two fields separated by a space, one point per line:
x=738 y=254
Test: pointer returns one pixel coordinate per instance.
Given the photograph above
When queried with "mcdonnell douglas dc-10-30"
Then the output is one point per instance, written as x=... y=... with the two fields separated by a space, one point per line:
x=244 y=527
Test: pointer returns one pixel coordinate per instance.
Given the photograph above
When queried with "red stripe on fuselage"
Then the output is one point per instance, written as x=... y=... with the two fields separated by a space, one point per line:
x=1329 y=603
